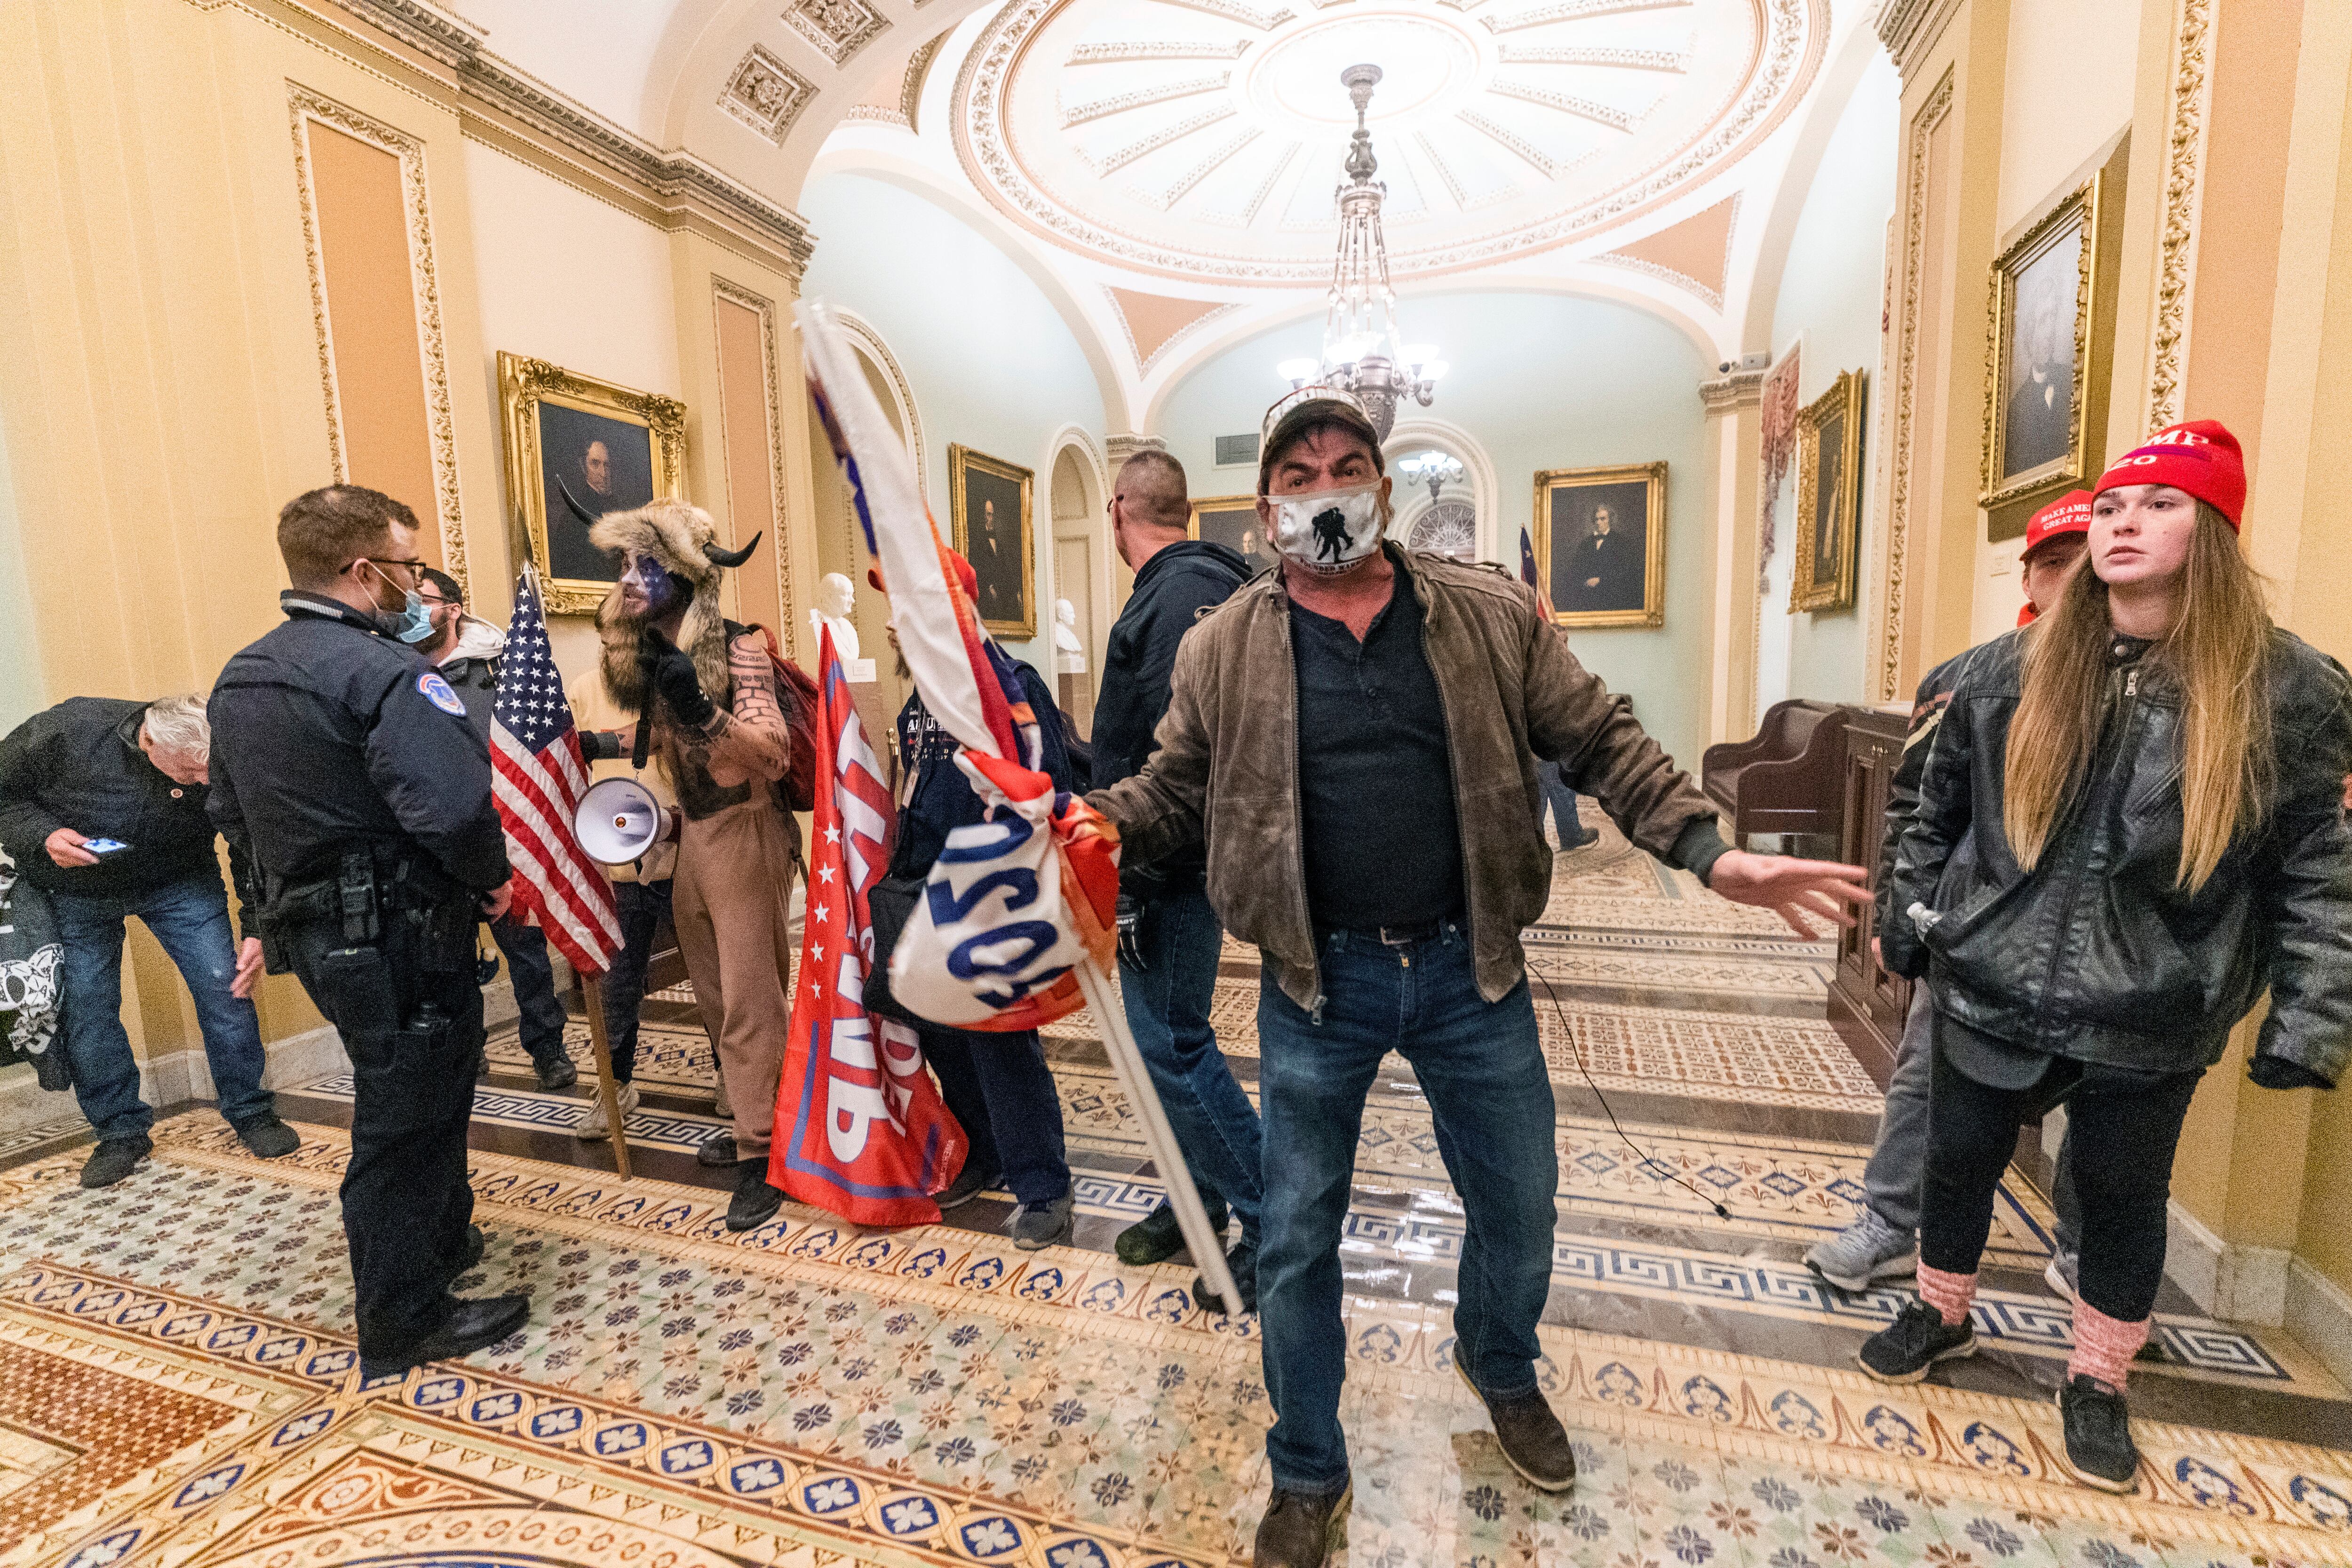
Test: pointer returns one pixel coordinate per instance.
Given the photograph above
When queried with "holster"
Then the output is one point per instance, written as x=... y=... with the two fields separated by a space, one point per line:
x=358 y=993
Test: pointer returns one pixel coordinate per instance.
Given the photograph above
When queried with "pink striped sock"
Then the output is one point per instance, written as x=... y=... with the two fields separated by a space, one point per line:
x=2104 y=1346
x=1950 y=1294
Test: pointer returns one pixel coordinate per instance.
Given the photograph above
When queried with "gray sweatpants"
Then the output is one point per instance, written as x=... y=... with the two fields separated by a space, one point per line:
x=1898 y=1168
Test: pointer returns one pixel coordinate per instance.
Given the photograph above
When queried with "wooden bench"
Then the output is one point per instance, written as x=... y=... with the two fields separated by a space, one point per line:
x=1788 y=779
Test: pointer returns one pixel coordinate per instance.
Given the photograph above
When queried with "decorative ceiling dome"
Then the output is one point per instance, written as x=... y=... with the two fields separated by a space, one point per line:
x=1203 y=138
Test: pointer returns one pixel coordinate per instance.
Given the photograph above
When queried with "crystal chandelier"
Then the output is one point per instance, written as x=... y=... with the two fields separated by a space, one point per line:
x=1362 y=352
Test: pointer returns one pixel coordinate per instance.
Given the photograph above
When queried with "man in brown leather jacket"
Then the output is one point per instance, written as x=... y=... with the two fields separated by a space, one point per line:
x=1355 y=737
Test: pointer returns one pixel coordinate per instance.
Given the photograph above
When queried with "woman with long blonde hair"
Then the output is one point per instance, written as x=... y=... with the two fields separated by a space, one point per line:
x=2130 y=825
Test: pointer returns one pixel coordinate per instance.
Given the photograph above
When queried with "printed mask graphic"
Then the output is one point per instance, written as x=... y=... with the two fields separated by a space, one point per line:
x=1329 y=530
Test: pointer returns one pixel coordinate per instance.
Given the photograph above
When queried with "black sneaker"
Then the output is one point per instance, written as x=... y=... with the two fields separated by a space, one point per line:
x=1155 y=1238
x=1917 y=1340
x=2099 y=1447
x=267 y=1137
x=1039 y=1225
x=1243 y=1261
x=755 y=1202
x=115 y=1157
x=1296 y=1530
x=970 y=1182
x=557 y=1073
x=1530 y=1435
x=718 y=1153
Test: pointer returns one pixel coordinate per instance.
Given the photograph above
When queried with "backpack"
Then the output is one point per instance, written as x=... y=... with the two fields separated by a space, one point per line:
x=801 y=696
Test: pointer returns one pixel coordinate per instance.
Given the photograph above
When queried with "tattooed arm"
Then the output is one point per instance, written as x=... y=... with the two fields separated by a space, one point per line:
x=751 y=742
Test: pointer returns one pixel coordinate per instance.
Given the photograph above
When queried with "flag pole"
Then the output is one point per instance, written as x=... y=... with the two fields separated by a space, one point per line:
x=606 y=1090
x=1191 y=1216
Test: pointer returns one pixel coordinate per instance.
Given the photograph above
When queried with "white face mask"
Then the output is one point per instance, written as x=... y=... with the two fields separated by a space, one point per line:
x=1328 y=530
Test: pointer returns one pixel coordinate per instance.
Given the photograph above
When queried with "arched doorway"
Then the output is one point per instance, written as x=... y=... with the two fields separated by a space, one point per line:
x=1081 y=574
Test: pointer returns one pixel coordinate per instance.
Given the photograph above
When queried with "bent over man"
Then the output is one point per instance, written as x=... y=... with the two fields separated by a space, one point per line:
x=1369 y=723
x=359 y=798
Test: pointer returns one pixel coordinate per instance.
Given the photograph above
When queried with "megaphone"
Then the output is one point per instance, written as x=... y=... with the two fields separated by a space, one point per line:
x=618 y=820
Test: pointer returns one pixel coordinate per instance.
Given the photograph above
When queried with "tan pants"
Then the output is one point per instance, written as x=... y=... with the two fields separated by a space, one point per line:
x=729 y=903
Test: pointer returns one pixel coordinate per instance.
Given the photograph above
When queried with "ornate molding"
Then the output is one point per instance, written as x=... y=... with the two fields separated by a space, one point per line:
x=838 y=28
x=1120 y=103
x=1630 y=60
x=1569 y=11
x=1119 y=448
x=779 y=524
x=2183 y=197
x=1730 y=394
x=1189 y=50
x=304 y=107
x=855 y=328
x=1886 y=634
x=1909 y=27
x=1667 y=275
x=766 y=94
x=910 y=85
x=485 y=82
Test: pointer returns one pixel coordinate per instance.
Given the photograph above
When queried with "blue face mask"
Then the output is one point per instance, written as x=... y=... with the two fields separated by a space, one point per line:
x=412 y=623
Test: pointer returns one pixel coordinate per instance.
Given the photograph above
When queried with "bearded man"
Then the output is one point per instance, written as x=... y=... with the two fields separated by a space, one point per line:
x=708 y=691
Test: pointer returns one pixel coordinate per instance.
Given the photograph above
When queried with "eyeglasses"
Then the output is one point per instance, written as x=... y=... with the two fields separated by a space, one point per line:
x=417 y=569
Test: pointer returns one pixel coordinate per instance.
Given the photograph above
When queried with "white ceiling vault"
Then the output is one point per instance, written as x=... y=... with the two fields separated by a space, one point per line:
x=1165 y=169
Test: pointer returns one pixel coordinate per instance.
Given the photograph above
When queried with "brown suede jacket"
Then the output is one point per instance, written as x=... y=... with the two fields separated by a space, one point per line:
x=1226 y=768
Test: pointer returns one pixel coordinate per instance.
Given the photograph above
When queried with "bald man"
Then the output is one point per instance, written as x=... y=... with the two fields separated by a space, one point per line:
x=1169 y=936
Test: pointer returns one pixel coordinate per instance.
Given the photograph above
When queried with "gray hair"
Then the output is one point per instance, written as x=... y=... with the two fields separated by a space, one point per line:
x=178 y=725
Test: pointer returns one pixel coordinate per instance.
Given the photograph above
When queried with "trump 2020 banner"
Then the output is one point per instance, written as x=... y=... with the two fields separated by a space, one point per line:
x=860 y=1130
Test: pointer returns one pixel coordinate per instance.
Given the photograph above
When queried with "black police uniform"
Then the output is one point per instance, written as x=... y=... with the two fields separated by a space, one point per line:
x=344 y=766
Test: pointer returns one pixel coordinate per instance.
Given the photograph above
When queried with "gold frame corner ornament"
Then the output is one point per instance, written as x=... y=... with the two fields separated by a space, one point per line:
x=524 y=384
x=1653 y=478
x=1847 y=399
x=2077 y=212
x=963 y=459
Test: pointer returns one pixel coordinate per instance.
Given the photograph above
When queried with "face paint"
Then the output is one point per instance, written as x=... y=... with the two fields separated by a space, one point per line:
x=1328 y=530
x=655 y=587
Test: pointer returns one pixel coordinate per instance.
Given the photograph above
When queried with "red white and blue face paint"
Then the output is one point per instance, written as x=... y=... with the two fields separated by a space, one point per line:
x=649 y=589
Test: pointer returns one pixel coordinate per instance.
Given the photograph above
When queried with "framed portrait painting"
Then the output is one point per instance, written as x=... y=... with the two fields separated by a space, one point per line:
x=2049 y=318
x=1600 y=534
x=576 y=448
x=989 y=499
x=1829 y=497
x=1232 y=522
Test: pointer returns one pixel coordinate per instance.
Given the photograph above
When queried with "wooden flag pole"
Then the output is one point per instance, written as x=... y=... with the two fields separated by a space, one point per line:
x=1191 y=1216
x=606 y=1090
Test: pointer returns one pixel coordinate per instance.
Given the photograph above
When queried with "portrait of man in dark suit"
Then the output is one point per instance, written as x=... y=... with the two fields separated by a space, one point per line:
x=606 y=465
x=996 y=540
x=1599 y=548
x=2039 y=428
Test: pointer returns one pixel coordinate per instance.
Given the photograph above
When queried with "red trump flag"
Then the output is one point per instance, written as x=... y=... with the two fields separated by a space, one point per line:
x=860 y=1130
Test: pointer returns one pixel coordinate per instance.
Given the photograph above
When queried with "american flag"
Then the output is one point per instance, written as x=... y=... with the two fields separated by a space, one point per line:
x=537 y=779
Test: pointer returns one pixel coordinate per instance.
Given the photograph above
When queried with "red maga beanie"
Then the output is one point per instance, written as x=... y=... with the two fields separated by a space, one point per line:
x=2199 y=457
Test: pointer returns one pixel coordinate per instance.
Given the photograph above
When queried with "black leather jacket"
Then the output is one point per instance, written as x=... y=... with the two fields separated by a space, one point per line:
x=2097 y=955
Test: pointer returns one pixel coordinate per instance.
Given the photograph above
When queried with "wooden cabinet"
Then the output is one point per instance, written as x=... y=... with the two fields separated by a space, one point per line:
x=1868 y=1005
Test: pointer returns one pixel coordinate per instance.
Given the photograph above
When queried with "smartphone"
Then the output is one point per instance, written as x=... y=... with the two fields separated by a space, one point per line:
x=103 y=846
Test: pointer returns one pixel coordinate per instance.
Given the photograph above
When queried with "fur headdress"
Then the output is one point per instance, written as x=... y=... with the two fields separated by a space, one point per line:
x=684 y=539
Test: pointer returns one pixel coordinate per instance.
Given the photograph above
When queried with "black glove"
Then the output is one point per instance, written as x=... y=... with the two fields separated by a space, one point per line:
x=600 y=745
x=671 y=672
x=2277 y=1072
x=1134 y=916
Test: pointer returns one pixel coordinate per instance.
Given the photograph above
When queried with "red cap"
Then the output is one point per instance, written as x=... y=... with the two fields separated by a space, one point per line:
x=2199 y=457
x=2069 y=514
x=965 y=576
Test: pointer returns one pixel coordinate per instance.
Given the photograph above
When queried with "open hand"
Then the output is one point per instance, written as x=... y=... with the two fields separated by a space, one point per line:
x=248 y=968
x=1786 y=885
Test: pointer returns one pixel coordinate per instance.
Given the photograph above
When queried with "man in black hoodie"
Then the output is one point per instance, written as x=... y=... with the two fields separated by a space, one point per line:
x=1169 y=936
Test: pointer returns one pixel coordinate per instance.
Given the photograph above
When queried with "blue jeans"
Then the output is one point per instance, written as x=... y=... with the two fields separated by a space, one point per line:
x=1167 y=1009
x=1562 y=800
x=1000 y=1091
x=190 y=919
x=533 y=978
x=642 y=906
x=1489 y=1095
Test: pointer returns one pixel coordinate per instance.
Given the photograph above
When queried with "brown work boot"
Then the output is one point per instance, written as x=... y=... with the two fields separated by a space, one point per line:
x=1296 y=1530
x=1530 y=1435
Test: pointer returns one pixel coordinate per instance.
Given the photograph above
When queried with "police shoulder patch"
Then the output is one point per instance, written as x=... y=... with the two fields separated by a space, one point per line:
x=437 y=691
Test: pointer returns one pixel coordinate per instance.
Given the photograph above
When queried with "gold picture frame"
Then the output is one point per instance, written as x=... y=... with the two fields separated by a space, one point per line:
x=1829 y=497
x=2050 y=293
x=554 y=421
x=1232 y=521
x=1586 y=584
x=976 y=484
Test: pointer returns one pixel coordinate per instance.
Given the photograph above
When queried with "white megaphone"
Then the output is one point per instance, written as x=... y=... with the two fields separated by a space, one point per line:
x=618 y=820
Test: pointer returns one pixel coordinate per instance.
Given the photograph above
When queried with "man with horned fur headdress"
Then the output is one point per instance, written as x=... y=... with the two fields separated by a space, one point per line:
x=707 y=687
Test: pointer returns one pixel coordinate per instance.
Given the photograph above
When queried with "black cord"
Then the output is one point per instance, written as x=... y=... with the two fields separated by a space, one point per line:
x=1577 y=1046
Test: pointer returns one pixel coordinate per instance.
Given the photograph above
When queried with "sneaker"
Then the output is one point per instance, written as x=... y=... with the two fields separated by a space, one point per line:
x=1296 y=1530
x=1530 y=1434
x=267 y=1137
x=755 y=1202
x=1243 y=1261
x=556 y=1074
x=1915 y=1340
x=2099 y=1447
x=115 y=1157
x=721 y=1106
x=2065 y=1269
x=595 y=1124
x=1157 y=1237
x=970 y=1182
x=1867 y=1250
x=1039 y=1225
x=718 y=1153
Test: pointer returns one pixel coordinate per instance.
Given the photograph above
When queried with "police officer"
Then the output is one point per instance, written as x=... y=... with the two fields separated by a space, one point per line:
x=343 y=764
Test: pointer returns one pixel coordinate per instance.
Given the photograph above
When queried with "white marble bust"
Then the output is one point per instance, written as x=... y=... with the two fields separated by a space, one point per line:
x=1069 y=654
x=835 y=597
